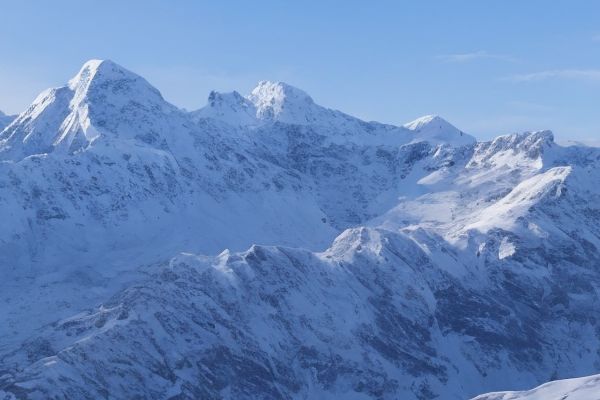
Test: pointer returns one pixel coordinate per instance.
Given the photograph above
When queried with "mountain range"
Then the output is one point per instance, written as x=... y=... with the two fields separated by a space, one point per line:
x=266 y=247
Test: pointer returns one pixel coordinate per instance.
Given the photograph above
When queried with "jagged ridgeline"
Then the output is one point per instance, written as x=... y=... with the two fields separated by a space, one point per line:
x=267 y=247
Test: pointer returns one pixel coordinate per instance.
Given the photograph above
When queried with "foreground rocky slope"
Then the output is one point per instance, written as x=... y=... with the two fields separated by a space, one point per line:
x=392 y=262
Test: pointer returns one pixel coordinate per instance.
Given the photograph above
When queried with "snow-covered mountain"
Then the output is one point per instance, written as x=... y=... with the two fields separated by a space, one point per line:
x=434 y=129
x=268 y=247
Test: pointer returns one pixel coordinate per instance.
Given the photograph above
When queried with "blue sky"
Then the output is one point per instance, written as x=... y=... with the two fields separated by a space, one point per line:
x=489 y=67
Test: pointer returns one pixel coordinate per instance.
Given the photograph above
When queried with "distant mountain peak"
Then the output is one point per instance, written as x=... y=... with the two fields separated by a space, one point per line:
x=282 y=102
x=98 y=70
x=435 y=129
x=92 y=68
x=533 y=143
x=277 y=93
x=528 y=138
x=232 y=108
x=425 y=121
x=215 y=97
x=112 y=79
x=102 y=98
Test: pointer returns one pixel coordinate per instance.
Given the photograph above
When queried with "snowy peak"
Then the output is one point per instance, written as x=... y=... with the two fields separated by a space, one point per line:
x=102 y=99
x=232 y=108
x=97 y=70
x=527 y=148
x=434 y=129
x=278 y=101
x=216 y=99
x=268 y=102
x=427 y=121
x=273 y=99
x=527 y=141
x=104 y=80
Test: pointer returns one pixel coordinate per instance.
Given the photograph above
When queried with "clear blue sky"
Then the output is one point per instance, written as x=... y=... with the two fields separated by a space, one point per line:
x=489 y=67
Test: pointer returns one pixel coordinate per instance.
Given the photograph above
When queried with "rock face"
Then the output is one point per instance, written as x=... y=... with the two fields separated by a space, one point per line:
x=365 y=260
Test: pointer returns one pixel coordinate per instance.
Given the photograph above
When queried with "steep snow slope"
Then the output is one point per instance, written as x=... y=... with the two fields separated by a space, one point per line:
x=459 y=267
x=587 y=388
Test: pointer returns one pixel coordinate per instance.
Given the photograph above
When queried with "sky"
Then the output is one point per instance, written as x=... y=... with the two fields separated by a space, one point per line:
x=488 y=67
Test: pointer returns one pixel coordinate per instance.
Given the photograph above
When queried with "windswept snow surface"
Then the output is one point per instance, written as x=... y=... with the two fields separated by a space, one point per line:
x=586 y=388
x=268 y=247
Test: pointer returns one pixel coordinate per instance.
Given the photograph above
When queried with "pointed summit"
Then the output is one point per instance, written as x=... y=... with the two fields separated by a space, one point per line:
x=113 y=81
x=434 y=129
x=103 y=99
x=105 y=69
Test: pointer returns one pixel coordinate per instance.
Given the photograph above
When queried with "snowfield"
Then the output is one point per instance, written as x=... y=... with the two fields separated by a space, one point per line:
x=587 y=388
x=265 y=247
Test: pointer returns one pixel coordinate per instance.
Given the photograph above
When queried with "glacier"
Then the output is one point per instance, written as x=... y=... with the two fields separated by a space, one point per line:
x=264 y=246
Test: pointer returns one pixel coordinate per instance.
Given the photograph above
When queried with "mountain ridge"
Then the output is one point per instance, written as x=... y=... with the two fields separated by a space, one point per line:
x=115 y=86
x=337 y=257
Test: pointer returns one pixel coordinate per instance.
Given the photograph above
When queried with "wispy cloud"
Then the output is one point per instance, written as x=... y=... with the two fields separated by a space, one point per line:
x=590 y=75
x=596 y=37
x=474 y=56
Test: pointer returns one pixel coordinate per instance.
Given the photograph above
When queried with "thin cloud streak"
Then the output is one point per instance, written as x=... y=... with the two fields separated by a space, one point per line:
x=590 y=75
x=474 y=56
